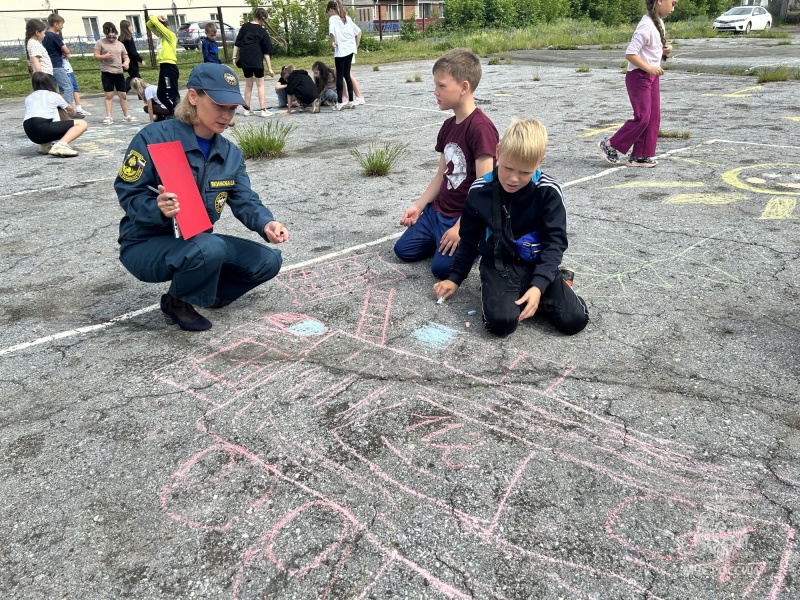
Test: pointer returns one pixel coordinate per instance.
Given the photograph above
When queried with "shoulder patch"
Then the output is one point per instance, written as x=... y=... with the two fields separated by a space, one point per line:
x=220 y=200
x=132 y=167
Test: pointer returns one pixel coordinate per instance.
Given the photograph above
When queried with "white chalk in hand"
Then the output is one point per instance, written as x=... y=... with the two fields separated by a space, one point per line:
x=440 y=300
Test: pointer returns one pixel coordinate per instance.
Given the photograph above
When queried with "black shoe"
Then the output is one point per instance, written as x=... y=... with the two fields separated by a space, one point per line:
x=637 y=161
x=609 y=154
x=183 y=314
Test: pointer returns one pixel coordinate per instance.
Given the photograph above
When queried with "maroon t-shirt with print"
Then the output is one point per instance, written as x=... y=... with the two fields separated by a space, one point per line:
x=461 y=144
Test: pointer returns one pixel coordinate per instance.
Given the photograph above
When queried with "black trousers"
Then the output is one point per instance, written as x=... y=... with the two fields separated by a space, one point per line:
x=168 y=92
x=343 y=64
x=559 y=304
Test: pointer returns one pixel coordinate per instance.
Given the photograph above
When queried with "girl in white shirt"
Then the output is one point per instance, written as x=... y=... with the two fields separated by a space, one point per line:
x=645 y=52
x=345 y=37
x=148 y=93
x=42 y=122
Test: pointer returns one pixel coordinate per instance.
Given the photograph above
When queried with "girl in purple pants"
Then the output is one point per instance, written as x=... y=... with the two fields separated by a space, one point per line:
x=647 y=49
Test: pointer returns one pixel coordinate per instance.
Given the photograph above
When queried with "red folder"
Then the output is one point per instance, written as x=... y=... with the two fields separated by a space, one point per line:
x=176 y=177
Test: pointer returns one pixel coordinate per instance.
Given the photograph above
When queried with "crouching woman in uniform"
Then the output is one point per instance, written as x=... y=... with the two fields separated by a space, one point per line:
x=210 y=269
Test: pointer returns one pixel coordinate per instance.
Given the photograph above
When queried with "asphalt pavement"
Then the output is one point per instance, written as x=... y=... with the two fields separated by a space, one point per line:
x=337 y=434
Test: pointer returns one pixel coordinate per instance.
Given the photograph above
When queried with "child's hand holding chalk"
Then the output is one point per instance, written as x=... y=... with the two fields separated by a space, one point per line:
x=443 y=290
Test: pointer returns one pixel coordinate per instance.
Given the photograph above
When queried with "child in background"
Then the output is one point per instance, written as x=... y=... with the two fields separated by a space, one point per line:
x=42 y=123
x=300 y=87
x=54 y=44
x=280 y=88
x=113 y=60
x=647 y=49
x=255 y=46
x=38 y=59
x=134 y=58
x=325 y=80
x=514 y=218
x=167 y=60
x=466 y=145
x=149 y=93
x=210 y=47
x=81 y=114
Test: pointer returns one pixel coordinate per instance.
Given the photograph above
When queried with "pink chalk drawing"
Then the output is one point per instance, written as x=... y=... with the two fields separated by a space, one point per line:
x=375 y=315
x=338 y=277
x=297 y=324
x=341 y=439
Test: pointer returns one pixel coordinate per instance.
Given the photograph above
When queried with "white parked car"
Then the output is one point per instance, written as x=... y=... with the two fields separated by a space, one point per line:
x=743 y=18
x=191 y=34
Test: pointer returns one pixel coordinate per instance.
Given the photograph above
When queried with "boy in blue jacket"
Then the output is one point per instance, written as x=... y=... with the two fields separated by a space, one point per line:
x=210 y=47
x=515 y=218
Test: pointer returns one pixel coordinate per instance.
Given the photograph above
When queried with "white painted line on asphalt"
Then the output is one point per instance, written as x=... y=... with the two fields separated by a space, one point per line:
x=753 y=144
x=60 y=187
x=152 y=307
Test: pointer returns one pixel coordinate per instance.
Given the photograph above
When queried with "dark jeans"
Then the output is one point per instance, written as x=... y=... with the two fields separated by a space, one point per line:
x=422 y=240
x=559 y=304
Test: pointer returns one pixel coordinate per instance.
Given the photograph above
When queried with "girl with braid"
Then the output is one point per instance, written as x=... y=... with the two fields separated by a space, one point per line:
x=647 y=49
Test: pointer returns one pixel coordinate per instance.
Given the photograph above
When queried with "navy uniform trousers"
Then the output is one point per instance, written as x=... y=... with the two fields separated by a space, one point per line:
x=559 y=303
x=207 y=270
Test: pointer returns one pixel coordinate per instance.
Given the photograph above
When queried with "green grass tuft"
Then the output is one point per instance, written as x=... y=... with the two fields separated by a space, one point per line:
x=583 y=69
x=779 y=73
x=376 y=67
x=675 y=135
x=378 y=160
x=494 y=61
x=267 y=140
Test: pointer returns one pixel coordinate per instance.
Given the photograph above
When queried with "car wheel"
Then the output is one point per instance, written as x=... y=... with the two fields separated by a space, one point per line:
x=748 y=27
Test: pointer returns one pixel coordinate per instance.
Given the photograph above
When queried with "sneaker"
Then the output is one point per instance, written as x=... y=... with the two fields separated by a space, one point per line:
x=568 y=275
x=45 y=148
x=315 y=106
x=184 y=314
x=84 y=113
x=263 y=113
x=79 y=115
x=62 y=149
x=350 y=104
x=609 y=154
x=247 y=113
x=358 y=101
x=339 y=106
x=108 y=121
x=130 y=119
x=638 y=161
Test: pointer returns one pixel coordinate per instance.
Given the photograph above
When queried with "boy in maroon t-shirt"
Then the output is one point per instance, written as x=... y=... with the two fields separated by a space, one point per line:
x=467 y=143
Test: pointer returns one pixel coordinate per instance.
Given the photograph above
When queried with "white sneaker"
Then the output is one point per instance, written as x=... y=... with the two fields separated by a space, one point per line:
x=130 y=119
x=45 y=148
x=85 y=113
x=62 y=149
x=263 y=113
x=247 y=113
x=338 y=106
x=358 y=101
x=350 y=104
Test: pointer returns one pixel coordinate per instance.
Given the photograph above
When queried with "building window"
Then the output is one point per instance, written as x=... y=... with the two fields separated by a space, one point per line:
x=429 y=10
x=136 y=24
x=214 y=17
x=394 y=12
x=91 y=28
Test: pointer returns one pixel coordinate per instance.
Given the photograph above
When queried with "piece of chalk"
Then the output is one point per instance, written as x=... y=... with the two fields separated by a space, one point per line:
x=440 y=300
x=467 y=323
x=472 y=312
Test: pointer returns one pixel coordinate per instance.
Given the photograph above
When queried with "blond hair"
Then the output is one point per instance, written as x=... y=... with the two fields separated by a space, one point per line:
x=186 y=112
x=210 y=28
x=525 y=140
x=462 y=64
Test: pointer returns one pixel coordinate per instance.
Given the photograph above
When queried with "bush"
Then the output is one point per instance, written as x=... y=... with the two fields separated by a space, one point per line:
x=303 y=26
x=377 y=161
x=262 y=141
x=408 y=30
x=464 y=14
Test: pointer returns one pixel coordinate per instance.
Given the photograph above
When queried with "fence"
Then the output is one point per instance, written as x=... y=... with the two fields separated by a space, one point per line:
x=78 y=44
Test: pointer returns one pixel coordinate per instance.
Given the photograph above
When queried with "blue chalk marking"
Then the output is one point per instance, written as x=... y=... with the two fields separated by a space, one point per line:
x=434 y=335
x=307 y=327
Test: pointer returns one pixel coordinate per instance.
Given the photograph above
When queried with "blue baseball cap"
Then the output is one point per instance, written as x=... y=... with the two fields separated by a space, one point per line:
x=219 y=82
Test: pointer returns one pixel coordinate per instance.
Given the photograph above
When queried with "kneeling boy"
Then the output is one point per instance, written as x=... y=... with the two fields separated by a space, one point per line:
x=300 y=87
x=516 y=219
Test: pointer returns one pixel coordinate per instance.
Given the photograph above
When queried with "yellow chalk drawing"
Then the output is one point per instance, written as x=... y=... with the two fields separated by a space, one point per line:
x=606 y=129
x=706 y=198
x=779 y=208
x=792 y=118
x=656 y=184
x=694 y=161
x=739 y=94
x=732 y=177
x=498 y=95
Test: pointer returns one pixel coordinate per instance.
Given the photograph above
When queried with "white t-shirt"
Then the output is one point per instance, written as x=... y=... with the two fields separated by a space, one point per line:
x=35 y=48
x=150 y=94
x=344 y=34
x=646 y=42
x=44 y=104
